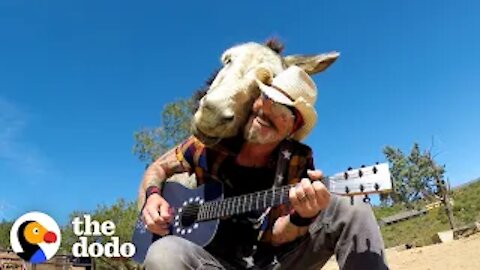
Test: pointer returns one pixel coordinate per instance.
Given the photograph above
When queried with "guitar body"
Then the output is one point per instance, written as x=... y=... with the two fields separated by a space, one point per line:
x=184 y=202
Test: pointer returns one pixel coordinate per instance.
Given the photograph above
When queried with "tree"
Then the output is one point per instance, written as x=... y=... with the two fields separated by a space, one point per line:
x=5 y=227
x=150 y=143
x=416 y=176
x=124 y=215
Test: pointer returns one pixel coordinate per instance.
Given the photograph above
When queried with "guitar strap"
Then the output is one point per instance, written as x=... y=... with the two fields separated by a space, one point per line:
x=284 y=156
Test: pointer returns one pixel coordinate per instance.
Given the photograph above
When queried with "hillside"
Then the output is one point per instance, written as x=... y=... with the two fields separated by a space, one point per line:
x=459 y=254
x=419 y=231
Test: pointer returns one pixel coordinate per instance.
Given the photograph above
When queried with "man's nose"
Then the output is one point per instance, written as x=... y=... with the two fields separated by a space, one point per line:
x=266 y=106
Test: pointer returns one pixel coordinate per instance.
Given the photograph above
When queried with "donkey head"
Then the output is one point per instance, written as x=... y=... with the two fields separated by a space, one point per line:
x=226 y=105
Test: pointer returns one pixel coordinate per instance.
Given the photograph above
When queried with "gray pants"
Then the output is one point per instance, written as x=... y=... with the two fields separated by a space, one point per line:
x=347 y=230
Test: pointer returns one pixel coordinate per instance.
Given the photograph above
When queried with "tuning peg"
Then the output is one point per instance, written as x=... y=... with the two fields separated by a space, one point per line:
x=347 y=190
x=360 y=173
x=375 y=170
x=345 y=175
x=362 y=188
x=366 y=199
x=377 y=186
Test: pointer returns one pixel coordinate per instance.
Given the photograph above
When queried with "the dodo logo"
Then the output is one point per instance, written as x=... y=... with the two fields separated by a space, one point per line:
x=35 y=237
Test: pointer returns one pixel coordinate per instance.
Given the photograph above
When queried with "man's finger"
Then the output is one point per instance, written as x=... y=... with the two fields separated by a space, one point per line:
x=165 y=212
x=318 y=187
x=308 y=189
x=292 y=196
x=157 y=228
x=300 y=193
x=147 y=219
x=322 y=193
x=315 y=174
x=152 y=215
x=164 y=226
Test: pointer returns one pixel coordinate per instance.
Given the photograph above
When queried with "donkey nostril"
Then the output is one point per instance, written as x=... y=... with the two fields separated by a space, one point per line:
x=229 y=117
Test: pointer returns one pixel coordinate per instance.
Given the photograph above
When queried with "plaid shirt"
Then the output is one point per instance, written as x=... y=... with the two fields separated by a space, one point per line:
x=290 y=160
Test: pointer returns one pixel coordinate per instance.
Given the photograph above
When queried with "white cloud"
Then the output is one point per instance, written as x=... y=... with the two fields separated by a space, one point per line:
x=15 y=150
x=4 y=209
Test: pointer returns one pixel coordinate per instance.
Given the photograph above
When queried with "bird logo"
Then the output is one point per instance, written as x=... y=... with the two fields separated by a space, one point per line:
x=35 y=237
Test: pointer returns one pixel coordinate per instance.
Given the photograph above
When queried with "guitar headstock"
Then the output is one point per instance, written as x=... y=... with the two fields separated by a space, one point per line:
x=365 y=180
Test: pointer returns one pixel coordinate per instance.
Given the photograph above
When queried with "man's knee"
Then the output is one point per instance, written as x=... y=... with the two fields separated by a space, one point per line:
x=359 y=224
x=359 y=238
x=168 y=251
x=355 y=209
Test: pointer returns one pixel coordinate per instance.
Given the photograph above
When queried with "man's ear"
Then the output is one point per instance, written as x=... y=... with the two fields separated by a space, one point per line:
x=312 y=64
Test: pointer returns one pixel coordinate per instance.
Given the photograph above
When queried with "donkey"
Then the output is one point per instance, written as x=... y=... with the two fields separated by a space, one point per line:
x=225 y=107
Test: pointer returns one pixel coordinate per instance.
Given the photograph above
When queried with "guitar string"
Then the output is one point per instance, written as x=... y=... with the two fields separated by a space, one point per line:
x=279 y=192
x=222 y=206
x=237 y=202
x=234 y=205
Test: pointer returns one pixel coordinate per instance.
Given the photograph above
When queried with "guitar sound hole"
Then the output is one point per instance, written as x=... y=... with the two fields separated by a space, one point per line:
x=189 y=214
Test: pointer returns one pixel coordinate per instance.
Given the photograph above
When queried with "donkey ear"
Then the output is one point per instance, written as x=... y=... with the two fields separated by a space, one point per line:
x=312 y=64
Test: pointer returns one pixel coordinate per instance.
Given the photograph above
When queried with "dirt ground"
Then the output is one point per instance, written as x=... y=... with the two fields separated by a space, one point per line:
x=461 y=254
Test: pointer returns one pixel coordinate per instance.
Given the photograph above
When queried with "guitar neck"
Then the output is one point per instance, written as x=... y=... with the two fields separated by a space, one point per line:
x=362 y=181
x=245 y=203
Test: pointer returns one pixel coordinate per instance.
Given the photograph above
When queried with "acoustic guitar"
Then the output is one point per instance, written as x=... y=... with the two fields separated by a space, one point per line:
x=197 y=212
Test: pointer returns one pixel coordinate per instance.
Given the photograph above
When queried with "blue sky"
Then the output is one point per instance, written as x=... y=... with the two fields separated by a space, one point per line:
x=78 y=78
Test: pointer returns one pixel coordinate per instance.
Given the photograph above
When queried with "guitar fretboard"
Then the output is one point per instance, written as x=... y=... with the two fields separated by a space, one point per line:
x=244 y=203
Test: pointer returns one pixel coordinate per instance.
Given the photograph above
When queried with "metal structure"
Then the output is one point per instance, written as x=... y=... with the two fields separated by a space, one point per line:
x=10 y=261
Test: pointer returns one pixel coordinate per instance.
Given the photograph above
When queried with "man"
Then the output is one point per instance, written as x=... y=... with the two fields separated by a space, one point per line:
x=302 y=235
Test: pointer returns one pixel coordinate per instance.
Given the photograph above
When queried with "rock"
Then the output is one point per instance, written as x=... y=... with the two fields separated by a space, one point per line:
x=442 y=237
x=466 y=231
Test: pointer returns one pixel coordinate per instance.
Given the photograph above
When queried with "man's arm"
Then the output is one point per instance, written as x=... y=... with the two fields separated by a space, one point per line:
x=160 y=170
x=284 y=231
x=156 y=210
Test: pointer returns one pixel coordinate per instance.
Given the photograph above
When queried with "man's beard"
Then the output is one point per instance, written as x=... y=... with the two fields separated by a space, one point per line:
x=252 y=134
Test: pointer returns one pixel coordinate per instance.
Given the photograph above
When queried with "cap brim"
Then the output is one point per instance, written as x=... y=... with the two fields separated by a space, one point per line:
x=274 y=94
x=309 y=115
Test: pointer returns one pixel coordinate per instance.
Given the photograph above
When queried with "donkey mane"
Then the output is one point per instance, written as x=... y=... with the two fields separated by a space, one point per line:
x=275 y=45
